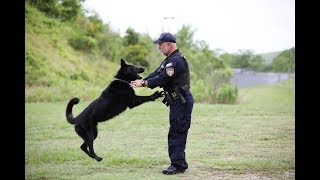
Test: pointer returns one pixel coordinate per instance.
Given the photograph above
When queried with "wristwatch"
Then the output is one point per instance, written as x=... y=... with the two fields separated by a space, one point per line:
x=143 y=83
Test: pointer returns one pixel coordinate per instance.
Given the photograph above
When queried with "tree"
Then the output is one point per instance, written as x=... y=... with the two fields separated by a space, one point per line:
x=69 y=9
x=136 y=54
x=228 y=58
x=285 y=61
x=131 y=37
x=47 y=6
x=256 y=63
x=184 y=37
x=242 y=60
x=63 y=9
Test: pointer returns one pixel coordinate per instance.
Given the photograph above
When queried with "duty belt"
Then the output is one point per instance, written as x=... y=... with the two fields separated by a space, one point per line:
x=178 y=93
x=173 y=95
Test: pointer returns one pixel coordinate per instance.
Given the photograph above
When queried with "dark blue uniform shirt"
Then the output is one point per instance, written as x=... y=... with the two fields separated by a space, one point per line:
x=173 y=72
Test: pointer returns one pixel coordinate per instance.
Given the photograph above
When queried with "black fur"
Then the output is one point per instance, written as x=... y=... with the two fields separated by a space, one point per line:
x=112 y=101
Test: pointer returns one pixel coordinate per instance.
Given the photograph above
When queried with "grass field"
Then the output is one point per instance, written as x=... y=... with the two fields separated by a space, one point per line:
x=254 y=139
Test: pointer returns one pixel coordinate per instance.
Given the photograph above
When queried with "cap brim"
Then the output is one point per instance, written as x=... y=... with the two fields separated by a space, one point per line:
x=157 y=41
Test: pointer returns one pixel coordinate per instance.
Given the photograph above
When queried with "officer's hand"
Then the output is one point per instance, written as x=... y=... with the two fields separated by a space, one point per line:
x=136 y=83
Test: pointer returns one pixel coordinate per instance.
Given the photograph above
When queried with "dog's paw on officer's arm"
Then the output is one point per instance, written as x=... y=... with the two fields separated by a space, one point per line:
x=157 y=95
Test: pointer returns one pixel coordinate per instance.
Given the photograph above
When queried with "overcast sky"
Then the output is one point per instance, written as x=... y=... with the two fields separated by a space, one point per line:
x=231 y=25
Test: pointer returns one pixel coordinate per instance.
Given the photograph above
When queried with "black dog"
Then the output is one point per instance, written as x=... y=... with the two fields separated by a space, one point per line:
x=113 y=100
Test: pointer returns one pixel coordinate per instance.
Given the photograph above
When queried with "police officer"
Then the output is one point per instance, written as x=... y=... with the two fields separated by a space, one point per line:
x=173 y=76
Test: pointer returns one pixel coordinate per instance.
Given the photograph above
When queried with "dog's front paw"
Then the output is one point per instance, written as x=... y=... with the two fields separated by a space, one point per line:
x=156 y=95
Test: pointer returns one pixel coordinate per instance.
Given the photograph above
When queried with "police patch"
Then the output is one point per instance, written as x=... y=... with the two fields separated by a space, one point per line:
x=168 y=65
x=170 y=71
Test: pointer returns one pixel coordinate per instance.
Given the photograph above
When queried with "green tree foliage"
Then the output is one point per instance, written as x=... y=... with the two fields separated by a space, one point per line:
x=285 y=61
x=256 y=63
x=46 y=6
x=92 y=40
x=208 y=72
x=111 y=45
x=220 y=77
x=228 y=58
x=185 y=37
x=94 y=26
x=131 y=37
x=135 y=52
x=84 y=42
x=63 y=9
x=244 y=59
x=69 y=9
x=91 y=35
x=153 y=57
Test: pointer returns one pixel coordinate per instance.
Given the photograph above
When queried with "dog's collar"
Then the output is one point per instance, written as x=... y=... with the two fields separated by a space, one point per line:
x=122 y=81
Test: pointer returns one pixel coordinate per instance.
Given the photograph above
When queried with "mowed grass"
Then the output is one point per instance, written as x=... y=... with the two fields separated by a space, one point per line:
x=254 y=139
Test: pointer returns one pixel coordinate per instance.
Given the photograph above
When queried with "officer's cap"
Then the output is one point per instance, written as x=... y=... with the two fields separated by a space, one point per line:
x=165 y=37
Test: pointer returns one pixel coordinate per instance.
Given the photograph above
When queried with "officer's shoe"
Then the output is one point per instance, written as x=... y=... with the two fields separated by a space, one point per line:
x=172 y=170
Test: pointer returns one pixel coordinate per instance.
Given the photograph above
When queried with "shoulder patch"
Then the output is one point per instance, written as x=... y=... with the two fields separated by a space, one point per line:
x=169 y=65
x=170 y=71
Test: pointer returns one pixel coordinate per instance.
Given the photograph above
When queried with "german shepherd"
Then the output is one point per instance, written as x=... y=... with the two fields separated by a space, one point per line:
x=113 y=100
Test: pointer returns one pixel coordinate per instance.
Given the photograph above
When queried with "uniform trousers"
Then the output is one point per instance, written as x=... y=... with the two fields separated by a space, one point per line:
x=180 y=120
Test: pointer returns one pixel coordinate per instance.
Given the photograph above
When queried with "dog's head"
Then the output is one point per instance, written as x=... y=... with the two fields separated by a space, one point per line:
x=128 y=72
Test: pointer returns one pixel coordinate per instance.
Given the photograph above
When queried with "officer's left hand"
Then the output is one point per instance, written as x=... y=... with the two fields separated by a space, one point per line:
x=136 y=83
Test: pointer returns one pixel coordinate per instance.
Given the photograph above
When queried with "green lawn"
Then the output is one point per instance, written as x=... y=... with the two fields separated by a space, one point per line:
x=254 y=139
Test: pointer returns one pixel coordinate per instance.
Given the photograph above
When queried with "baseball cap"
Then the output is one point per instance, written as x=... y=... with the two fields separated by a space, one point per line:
x=165 y=37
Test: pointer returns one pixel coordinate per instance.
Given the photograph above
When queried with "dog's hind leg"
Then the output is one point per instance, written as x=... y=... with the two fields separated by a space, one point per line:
x=95 y=132
x=80 y=131
x=84 y=148
x=88 y=141
x=91 y=136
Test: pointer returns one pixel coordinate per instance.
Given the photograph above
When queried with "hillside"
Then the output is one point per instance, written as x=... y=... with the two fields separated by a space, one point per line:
x=54 y=67
x=71 y=55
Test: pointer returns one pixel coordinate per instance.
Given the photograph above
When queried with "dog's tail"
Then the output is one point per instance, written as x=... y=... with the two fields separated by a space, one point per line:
x=69 y=114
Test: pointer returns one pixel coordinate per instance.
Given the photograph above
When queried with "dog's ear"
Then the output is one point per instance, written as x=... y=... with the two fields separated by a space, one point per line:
x=122 y=62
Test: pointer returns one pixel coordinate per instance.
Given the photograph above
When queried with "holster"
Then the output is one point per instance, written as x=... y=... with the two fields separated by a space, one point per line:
x=178 y=93
x=167 y=100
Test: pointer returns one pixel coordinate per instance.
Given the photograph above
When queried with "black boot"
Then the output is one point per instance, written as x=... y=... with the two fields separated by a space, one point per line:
x=172 y=170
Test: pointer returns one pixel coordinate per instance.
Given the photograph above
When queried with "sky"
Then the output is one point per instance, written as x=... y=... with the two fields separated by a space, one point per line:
x=261 y=26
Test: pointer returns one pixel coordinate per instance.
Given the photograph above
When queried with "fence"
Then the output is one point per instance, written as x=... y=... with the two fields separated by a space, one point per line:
x=243 y=78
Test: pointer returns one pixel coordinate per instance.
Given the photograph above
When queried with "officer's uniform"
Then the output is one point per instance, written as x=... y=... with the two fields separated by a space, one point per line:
x=174 y=77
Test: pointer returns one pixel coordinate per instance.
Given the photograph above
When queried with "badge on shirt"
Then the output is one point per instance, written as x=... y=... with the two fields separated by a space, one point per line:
x=170 y=71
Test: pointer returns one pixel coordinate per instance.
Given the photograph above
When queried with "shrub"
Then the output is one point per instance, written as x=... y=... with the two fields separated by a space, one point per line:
x=84 y=43
x=136 y=54
x=200 y=91
x=227 y=94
